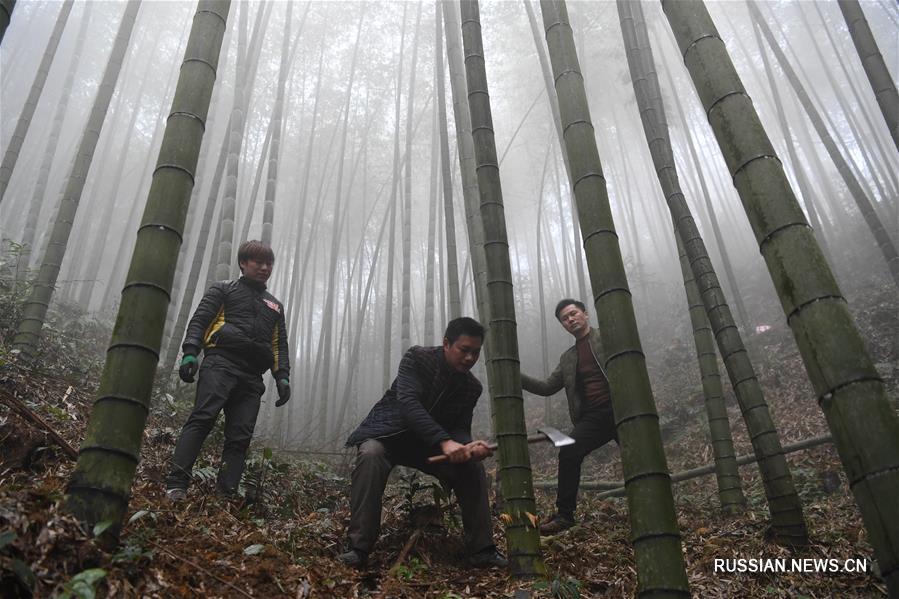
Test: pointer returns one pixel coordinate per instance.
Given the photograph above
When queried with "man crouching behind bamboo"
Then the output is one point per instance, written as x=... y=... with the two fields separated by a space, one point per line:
x=426 y=412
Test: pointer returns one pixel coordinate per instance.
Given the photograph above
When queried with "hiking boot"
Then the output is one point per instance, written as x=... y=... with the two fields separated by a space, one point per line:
x=488 y=558
x=176 y=495
x=354 y=558
x=556 y=524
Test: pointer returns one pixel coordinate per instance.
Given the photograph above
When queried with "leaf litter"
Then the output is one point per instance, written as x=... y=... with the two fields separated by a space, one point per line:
x=286 y=544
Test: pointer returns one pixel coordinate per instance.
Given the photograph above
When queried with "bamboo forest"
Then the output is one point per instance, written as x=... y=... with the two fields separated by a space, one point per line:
x=449 y=299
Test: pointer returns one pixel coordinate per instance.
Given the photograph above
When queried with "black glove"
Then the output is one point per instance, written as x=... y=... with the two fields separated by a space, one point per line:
x=283 y=392
x=188 y=368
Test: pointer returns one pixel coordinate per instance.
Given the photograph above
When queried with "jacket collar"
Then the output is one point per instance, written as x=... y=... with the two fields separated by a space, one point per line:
x=595 y=343
x=445 y=367
x=588 y=336
x=252 y=284
x=441 y=358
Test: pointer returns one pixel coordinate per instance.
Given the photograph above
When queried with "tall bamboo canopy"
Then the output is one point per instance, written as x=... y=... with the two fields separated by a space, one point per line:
x=656 y=538
x=29 y=330
x=882 y=83
x=783 y=501
x=18 y=136
x=848 y=387
x=327 y=132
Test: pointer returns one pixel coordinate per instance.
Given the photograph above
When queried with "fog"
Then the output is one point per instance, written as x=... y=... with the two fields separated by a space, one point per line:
x=320 y=176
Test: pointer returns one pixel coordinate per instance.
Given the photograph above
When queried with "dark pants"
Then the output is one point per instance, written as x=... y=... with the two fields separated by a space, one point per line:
x=374 y=461
x=595 y=428
x=221 y=386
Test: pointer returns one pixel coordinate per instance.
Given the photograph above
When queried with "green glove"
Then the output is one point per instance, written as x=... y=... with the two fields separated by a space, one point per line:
x=188 y=368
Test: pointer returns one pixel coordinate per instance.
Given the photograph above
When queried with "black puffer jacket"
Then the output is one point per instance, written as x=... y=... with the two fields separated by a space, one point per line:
x=243 y=322
x=427 y=399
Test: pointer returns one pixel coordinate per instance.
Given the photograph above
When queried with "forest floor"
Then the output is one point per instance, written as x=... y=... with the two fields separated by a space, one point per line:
x=284 y=544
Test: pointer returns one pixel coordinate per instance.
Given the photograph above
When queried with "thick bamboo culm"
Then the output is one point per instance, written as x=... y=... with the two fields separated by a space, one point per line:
x=615 y=488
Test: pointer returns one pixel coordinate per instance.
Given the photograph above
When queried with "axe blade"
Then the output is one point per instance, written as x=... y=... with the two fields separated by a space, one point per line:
x=557 y=437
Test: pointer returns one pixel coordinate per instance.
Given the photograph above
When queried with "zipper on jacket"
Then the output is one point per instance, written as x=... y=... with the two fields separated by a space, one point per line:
x=601 y=369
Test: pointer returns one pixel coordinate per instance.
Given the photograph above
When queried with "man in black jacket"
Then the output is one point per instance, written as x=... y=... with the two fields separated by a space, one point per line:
x=241 y=329
x=426 y=412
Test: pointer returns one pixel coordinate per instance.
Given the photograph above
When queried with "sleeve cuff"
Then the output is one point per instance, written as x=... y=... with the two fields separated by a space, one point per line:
x=440 y=438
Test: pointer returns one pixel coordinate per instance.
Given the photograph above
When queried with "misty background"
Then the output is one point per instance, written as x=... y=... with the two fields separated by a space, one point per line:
x=332 y=198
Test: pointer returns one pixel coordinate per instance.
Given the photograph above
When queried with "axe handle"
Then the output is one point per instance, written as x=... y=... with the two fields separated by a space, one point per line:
x=536 y=438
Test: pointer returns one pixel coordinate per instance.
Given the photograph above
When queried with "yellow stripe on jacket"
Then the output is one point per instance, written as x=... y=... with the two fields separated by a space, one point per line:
x=217 y=323
x=275 y=349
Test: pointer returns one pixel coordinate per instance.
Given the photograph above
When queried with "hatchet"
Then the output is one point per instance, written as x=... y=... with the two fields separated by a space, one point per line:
x=545 y=433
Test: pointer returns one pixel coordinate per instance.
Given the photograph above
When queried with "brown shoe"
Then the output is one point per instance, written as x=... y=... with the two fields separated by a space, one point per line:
x=556 y=524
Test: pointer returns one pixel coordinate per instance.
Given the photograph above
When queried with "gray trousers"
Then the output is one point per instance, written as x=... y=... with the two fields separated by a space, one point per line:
x=374 y=461
x=221 y=387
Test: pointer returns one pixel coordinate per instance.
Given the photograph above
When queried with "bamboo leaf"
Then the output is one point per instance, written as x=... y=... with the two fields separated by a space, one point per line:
x=101 y=527
x=137 y=516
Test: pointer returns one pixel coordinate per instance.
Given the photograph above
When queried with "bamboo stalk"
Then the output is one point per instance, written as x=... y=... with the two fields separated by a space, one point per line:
x=658 y=556
x=615 y=488
x=100 y=486
x=502 y=333
x=849 y=390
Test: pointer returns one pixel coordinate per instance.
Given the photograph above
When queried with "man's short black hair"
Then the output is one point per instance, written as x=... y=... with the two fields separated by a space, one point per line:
x=569 y=302
x=463 y=326
x=255 y=250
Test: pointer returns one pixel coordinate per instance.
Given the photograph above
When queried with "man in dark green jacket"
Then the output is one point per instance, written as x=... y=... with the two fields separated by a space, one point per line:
x=580 y=372
x=241 y=329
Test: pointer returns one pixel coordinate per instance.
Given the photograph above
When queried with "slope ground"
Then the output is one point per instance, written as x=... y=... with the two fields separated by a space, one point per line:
x=284 y=543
